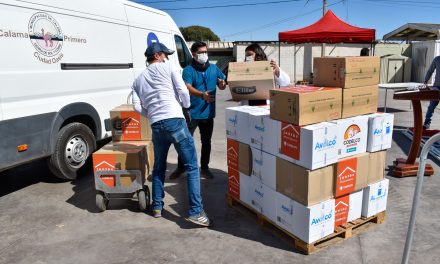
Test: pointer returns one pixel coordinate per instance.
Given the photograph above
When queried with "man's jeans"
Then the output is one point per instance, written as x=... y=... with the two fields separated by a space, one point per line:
x=206 y=127
x=175 y=131
x=431 y=108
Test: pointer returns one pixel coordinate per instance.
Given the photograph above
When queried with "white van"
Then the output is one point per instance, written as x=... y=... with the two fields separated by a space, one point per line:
x=63 y=65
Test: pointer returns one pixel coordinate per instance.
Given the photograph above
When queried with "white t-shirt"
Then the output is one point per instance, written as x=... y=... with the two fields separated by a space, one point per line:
x=160 y=93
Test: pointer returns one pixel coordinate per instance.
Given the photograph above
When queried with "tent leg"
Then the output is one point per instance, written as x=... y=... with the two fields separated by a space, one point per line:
x=294 y=64
x=279 y=53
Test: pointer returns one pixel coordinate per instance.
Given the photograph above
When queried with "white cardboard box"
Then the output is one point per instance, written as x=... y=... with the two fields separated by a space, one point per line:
x=313 y=146
x=352 y=135
x=348 y=208
x=263 y=199
x=375 y=198
x=264 y=167
x=380 y=131
x=246 y=184
x=237 y=123
x=263 y=131
x=307 y=223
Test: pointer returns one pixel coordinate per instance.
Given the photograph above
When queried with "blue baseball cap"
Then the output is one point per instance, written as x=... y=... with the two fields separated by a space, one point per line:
x=157 y=47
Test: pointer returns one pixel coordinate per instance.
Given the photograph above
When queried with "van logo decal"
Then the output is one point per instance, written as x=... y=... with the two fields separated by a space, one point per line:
x=45 y=34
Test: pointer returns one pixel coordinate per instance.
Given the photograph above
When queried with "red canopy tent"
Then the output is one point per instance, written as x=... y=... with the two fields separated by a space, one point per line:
x=329 y=29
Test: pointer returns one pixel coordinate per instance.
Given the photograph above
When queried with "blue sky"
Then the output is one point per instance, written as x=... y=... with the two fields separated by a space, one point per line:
x=263 y=22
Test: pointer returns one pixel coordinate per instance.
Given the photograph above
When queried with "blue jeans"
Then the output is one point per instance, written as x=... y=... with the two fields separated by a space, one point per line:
x=175 y=131
x=431 y=108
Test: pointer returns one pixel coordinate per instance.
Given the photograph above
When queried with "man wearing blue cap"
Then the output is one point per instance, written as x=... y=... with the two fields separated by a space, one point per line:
x=156 y=94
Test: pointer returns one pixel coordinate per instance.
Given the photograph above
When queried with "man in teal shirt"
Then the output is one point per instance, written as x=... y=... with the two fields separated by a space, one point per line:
x=201 y=79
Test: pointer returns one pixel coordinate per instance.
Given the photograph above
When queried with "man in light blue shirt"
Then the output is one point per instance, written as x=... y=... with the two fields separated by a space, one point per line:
x=156 y=94
x=435 y=65
x=201 y=79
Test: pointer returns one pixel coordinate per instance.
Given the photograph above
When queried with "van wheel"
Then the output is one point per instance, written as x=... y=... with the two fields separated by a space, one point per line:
x=75 y=143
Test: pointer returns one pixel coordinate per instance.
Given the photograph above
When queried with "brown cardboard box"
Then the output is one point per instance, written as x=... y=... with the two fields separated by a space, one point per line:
x=304 y=105
x=346 y=72
x=129 y=125
x=149 y=148
x=307 y=187
x=250 y=80
x=244 y=159
x=377 y=167
x=351 y=174
x=120 y=157
x=359 y=101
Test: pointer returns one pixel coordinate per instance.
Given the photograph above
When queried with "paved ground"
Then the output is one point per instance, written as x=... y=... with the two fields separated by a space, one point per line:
x=44 y=220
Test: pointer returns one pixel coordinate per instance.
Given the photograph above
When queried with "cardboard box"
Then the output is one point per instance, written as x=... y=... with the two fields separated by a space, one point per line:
x=346 y=72
x=239 y=156
x=234 y=183
x=129 y=125
x=244 y=159
x=351 y=174
x=264 y=167
x=376 y=166
x=304 y=105
x=307 y=223
x=313 y=146
x=348 y=208
x=353 y=135
x=359 y=100
x=304 y=186
x=375 y=198
x=263 y=199
x=250 y=80
x=113 y=157
x=246 y=185
x=237 y=122
x=380 y=131
x=263 y=131
x=149 y=147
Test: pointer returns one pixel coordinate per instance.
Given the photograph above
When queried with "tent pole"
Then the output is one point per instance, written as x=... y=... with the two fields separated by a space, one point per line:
x=294 y=64
x=279 y=53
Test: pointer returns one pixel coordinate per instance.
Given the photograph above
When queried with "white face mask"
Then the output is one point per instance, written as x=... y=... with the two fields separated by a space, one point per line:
x=202 y=58
x=249 y=58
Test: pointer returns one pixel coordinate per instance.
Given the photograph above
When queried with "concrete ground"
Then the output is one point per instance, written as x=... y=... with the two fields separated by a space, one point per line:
x=45 y=220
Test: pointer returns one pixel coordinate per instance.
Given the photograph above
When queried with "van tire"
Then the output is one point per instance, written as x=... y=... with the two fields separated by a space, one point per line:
x=75 y=143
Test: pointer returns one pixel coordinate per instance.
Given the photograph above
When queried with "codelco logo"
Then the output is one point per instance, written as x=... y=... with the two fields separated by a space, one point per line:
x=322 y=219
x=350 y=134
x=244 y=90
x=327 y=143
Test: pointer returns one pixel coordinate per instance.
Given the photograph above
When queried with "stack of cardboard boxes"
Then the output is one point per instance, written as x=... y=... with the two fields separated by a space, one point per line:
x=131 y=147
x=315 y=158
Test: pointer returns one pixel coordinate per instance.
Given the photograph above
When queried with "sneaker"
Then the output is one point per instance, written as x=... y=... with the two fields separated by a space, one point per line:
x=157 y=213
x=201 y=219
x=206 y=173
x=176 y=173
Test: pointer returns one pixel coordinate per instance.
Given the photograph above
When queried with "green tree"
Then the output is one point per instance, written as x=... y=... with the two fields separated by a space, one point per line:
x=194 y=33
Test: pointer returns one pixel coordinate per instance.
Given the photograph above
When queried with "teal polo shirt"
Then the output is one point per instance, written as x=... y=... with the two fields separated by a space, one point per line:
x=202 y=81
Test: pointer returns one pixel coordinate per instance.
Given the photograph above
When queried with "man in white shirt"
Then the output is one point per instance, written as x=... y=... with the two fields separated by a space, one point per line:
x=156 y=94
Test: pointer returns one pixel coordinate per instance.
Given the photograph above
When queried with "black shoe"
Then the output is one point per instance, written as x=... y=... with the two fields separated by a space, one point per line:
x=206 y=173
x=176 y=173
x=201 y=219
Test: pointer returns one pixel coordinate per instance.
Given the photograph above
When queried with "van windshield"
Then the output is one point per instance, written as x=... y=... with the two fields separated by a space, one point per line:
x=182 y=51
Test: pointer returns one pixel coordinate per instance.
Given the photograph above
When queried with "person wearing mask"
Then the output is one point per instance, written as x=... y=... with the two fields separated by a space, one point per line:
x=435 y=66
x=201 y=79
x=156 y=94
x=254 y=52
x=365 y=52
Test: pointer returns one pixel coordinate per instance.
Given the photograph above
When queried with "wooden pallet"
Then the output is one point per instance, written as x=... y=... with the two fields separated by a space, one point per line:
x=342 y=233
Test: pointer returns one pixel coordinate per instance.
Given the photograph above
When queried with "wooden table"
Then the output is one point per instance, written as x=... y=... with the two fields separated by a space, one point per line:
x=409 y=166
